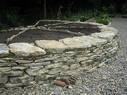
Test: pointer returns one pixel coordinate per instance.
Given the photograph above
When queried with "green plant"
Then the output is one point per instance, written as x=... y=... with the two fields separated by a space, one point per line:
x=79 y=16
x=103 y=19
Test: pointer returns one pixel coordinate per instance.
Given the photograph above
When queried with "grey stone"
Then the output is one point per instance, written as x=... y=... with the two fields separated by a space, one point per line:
x=23 y=61
x=25 y=49
x=74 y=66
x=55 y=71
x=36 y=71
x=65 y=67
x=45 y=59
x=5 y=69
x=78 y=59
x=15 y=73
x=3 y=79
x=7 y=64
x=70 y=72
x=2 y=61
x=33 y=72
x=53 y=66
x=18 y=68
x=10 y=85
x=15 y=80
x=4 y=50
x=37 y=64
x=25 y=79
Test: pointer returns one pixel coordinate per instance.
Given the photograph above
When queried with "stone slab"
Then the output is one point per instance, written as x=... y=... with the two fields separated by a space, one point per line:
x=4 y=50
x=25 y=49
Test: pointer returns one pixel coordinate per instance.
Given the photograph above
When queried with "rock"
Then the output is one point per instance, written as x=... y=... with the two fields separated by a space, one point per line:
x=3 y=79
x=36 y=71
x=16 y=73
x=54 y=66
x=59 y=83
x=32 y=72
x=104 y=35
x=25 y=49
x=4 y=50
x=74 y=66
x=37 y=64
x=45 y=59
x=10 y=85
x=7 y=64
x=108 y=29
x=26 y=79
x=18 y=68
x=79 y=59
x=51 y=45
x=23 y=61
x=54 y=71
x=82 y=41
x=5 y=69
x=65 y=67
x=15 y=80
x=75 y=42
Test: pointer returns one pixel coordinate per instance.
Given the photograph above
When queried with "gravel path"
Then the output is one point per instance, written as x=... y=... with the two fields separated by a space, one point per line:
x=110 y=79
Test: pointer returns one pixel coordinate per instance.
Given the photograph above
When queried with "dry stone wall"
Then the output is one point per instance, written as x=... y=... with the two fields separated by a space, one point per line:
x=23 y=63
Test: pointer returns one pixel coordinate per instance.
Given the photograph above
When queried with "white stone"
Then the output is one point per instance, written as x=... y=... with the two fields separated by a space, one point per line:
x=93 y=40
x=26 y=49
x=82 y=41
x=105 y=35
x=50 y=44
x=75 y=42
x=4 y=50
x=105 y=28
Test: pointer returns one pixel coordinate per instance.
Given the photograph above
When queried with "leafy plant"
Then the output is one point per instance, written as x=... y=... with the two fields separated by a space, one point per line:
x=80 y=16
x=103 y=17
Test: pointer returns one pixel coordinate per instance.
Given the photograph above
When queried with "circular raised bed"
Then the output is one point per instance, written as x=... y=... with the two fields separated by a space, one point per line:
x=62 y=48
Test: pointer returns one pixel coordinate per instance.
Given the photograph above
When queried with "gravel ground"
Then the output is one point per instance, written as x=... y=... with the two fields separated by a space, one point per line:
x=109 y=79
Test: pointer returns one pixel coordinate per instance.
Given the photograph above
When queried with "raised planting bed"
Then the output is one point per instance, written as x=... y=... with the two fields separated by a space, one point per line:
x=55 y=51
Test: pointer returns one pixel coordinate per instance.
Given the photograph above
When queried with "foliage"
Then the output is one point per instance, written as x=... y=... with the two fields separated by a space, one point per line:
x=103 y=17
x=80 y=16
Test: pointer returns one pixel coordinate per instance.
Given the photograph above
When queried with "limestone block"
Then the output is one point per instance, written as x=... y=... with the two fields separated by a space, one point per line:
x=75 y=42
x=105 y=28
x=105 y=35
x=82 y=41
x=53 y=66
x=3 y=79
x=55 y=71
x=25 y=49
x=51 y=45
x=36 y=71
x=4 y=50
x=74 y=66
x=15 y=73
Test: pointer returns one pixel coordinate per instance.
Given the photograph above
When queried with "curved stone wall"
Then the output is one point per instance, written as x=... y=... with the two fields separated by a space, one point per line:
x=23 y=63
